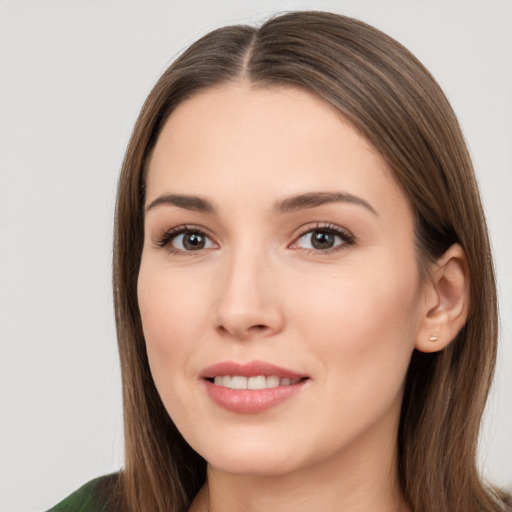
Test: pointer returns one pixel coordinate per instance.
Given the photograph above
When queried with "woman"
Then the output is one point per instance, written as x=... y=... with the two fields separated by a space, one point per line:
x=304 y=291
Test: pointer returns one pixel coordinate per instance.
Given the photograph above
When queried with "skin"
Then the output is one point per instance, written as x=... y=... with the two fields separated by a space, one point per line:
x=348 y=318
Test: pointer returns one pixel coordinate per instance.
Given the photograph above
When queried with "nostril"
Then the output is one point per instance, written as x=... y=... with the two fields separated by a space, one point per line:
x=258 y=328
x=242 y=333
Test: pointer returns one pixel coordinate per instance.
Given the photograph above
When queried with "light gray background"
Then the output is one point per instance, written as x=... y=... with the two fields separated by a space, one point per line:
x=73 y=77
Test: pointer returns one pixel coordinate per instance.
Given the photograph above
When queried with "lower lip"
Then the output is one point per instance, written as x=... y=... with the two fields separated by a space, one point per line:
x=251 y=401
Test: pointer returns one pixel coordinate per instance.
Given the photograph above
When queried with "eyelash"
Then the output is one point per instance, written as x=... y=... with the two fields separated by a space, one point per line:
x=166 y=239
x=347 y=238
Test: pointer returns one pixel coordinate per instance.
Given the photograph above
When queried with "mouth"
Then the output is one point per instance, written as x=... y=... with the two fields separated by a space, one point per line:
x=255 y=382
x=251 y=387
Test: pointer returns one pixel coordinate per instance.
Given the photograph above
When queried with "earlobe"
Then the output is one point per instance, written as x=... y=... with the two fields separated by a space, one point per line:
x=446 y=304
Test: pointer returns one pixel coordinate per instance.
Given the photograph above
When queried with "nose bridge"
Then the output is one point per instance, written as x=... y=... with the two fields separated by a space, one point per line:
x=247 y=302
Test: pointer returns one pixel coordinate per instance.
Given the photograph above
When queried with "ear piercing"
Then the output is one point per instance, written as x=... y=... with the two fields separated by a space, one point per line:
x=432 y=337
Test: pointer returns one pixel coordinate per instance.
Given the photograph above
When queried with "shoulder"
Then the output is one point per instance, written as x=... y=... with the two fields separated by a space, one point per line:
x=98 y=495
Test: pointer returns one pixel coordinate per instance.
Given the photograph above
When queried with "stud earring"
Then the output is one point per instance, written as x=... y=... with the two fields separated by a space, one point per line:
x=432 y=337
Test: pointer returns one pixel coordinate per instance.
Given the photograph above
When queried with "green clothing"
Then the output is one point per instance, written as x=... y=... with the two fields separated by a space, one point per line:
x=95 y=496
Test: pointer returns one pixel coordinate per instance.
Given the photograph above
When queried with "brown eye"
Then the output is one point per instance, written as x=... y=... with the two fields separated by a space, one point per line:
x=186 y=240
x=191 y=241
x=320 y=240
x=324 y=239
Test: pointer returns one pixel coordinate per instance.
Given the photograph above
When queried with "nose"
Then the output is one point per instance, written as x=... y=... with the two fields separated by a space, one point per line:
x=248 y=304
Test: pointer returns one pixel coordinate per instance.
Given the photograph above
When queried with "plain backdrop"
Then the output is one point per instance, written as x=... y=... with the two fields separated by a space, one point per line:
x=73 y=77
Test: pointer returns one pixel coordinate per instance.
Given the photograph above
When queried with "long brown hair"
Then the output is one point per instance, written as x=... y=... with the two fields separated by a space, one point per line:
x=387 y=94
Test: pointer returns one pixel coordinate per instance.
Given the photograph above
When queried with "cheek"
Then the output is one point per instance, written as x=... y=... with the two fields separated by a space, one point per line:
x=171 y=312
x=361 y=330
x=364 y=319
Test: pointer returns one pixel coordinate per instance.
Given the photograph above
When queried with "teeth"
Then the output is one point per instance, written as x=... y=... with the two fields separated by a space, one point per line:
x=273 y=381
x=238 y=382
x=257 y=382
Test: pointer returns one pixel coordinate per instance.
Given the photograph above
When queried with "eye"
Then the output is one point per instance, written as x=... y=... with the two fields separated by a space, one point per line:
x=324 y=239
x=191 y=241
x=185 y=239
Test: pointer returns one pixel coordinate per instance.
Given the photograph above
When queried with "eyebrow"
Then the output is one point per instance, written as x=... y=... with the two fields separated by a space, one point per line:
x=288 y=205
x=192 y=203
x=314 y=199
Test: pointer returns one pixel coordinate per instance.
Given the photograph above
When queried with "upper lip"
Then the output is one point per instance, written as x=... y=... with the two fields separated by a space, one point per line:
x=250 y=369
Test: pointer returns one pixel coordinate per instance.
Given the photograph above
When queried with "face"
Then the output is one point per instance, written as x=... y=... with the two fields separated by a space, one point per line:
x=279 y=289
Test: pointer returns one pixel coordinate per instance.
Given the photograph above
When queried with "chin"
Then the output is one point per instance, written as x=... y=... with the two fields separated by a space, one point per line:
x=259 y=466
x=251 y=461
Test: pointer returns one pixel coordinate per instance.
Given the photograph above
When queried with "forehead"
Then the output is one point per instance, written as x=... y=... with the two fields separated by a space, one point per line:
x=237 y=139
x=234 y=113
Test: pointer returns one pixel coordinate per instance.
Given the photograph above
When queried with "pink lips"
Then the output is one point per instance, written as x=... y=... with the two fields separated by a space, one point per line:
x=250 y=400
x=251 y=369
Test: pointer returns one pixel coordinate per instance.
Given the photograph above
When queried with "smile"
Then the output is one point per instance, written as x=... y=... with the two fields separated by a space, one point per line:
x=257 y=382
x=252 y=387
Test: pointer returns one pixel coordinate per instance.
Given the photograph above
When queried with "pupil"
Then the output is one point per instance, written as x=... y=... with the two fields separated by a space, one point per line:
x=322 y=240
x=193 y=241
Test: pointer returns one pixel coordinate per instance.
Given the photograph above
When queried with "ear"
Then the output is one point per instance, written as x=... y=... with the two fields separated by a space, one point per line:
x=446 y=301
